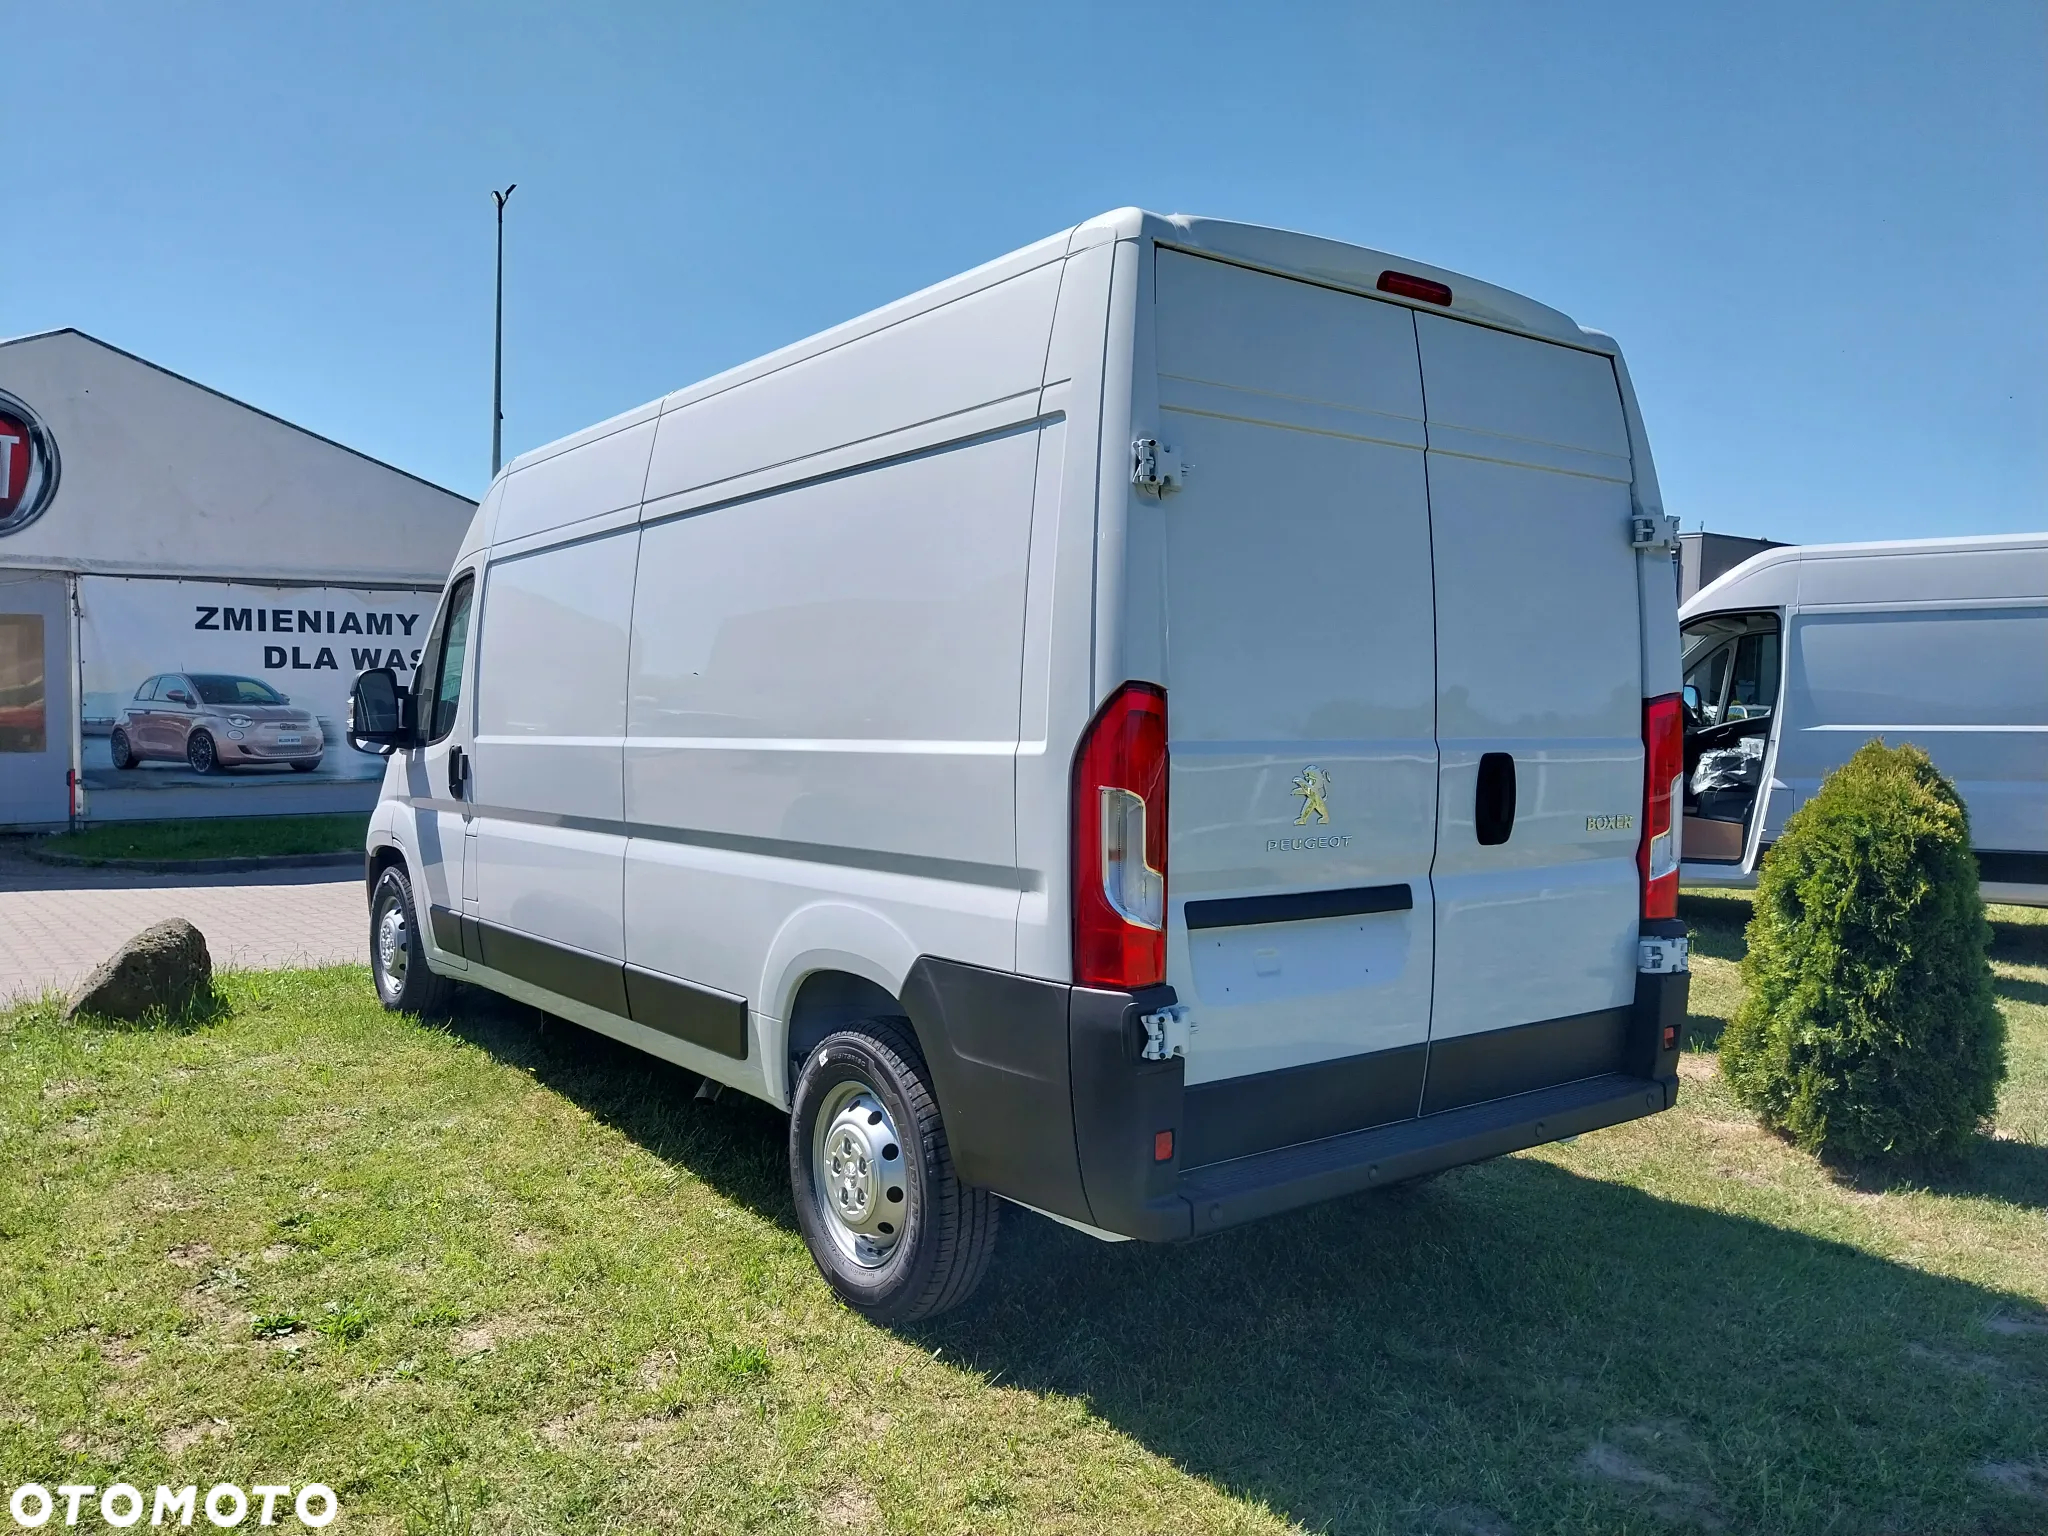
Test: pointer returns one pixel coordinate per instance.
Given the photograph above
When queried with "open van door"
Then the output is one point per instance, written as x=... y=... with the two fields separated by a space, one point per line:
x=1733 y=665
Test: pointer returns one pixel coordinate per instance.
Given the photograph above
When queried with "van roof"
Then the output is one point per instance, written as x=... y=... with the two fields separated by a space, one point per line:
x=1733 y=588
x=1312 y=258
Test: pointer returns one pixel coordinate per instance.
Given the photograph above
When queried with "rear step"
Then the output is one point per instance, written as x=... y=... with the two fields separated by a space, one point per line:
x=1246 y=1188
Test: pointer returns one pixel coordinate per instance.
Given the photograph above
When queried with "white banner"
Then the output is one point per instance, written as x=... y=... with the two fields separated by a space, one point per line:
x=241 y=682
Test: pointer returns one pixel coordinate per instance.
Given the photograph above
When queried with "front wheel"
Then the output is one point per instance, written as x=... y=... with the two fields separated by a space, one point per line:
x=120 y=749
x=398 y=958
x=200 y=754
x=889 y=1224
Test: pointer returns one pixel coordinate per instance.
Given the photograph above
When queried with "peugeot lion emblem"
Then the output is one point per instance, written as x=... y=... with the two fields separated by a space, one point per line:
x=1313 y=786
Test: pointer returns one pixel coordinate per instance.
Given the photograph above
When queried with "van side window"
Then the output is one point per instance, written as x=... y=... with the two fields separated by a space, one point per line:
x=441 y=662
x=1753 y=690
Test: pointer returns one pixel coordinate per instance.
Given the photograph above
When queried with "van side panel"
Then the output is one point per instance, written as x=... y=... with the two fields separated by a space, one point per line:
x=824 y=700
x=1968 y=685
x=550 y=717
x=826 y=675
x=601 y=475
x=1539 y=656
x=984 y=347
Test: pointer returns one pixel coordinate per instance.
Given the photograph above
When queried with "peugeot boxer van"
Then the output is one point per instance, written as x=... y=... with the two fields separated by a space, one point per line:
x=1172 y=725
x=1800 y=655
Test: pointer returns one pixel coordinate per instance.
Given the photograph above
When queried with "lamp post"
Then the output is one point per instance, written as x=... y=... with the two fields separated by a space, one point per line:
x=498 y=346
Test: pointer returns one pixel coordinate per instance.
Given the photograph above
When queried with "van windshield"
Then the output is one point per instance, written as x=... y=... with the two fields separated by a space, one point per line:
x=214 y=688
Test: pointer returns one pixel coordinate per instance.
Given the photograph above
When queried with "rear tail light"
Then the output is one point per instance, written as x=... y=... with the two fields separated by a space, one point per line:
x=1663 y=800
x=1119 y=809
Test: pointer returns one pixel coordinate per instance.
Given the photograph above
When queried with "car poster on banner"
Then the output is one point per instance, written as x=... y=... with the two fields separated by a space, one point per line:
x=219 y=683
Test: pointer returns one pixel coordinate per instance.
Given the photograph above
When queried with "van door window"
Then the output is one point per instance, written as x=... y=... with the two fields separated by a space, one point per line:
x=1704 y=680
x=441 y=663
x=1753 y=689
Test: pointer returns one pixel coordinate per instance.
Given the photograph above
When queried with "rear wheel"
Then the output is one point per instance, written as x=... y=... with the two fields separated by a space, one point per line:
x=200 y=754
x=889 y=1224
x=398 y=957
x=121 y=749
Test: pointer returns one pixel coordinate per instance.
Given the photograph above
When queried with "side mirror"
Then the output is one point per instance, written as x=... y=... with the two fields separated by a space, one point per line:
x=179 y=696
x=379 y=713
x=1692 y=700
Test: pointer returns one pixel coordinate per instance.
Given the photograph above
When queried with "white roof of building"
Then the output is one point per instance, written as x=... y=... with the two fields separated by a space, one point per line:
x=162 y=476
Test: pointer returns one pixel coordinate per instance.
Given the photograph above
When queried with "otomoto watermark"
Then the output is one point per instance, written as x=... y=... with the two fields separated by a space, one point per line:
x=121 y=1505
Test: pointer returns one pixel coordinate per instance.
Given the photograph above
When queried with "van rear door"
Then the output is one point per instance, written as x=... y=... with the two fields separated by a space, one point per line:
x=1539 y=713
x=1301 y=686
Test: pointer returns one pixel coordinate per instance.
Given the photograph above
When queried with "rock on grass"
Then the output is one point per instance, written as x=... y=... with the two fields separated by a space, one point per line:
x=165 y=967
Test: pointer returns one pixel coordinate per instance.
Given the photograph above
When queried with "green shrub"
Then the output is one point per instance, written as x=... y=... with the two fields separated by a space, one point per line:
x=1870 y=1029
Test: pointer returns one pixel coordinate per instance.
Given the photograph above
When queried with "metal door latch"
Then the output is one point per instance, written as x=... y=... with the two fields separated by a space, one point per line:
x=1156 y=467
x=1166 y=1032
x=1645 y=532
x=1662 y=957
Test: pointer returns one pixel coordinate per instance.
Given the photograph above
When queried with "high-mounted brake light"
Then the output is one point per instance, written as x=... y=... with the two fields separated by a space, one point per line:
x=1663 y=800
x=1119 y=809
x=1411 y=287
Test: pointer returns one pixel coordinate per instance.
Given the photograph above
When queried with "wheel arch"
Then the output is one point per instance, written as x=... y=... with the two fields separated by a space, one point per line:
x=829 y=959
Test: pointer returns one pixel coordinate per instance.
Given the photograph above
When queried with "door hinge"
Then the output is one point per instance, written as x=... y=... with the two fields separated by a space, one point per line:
x=1662 y=957
x=1166 y=1032
x=1653 y=532
x=1156 y=467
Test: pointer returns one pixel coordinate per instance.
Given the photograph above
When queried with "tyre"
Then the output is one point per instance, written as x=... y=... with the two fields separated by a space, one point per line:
x=889 y=1225
x=398 y=958
x=200 y=754
x=305 y=765
x=121 y=749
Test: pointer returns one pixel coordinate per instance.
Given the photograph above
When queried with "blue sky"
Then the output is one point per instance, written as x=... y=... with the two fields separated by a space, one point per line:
x=1819 y=231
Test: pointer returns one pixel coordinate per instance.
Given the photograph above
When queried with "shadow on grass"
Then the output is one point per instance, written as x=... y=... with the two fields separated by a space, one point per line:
x=1512 y=1347
x=735 y=1144
x=1507 y=1348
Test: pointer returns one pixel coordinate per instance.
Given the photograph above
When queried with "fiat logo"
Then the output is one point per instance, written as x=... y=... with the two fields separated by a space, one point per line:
x=28 y=465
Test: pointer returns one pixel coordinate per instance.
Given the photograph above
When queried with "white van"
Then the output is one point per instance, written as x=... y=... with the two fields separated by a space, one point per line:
x=1800 y=655
x=1097 y=733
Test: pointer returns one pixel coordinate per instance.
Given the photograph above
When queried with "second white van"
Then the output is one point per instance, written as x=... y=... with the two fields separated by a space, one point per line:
x=1096 y=734
x=1800 y=655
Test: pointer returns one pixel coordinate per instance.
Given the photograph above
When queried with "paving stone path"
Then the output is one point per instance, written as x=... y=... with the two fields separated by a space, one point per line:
x=57 y=924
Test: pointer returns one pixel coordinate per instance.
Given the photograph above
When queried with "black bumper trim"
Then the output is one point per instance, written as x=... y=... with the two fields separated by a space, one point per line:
x=1226 y=1194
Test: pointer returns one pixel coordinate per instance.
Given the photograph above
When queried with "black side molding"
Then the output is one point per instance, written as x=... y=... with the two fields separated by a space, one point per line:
x=1299 y=906
x=2004 y=868
x=699 y=1015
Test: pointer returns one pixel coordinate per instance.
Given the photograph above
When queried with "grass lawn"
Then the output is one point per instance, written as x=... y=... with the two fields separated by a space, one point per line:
x=492 y=1276
x=213 y=837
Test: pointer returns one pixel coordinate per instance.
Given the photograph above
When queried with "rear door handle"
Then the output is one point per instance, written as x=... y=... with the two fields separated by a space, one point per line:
x=1493 y=799
x=458 y=773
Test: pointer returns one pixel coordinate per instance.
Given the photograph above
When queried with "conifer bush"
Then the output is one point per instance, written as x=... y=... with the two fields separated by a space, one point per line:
x=1870 y=1029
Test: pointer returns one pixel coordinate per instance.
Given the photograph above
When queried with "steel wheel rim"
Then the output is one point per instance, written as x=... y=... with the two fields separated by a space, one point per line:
x=394 y=950
x=858 y=1180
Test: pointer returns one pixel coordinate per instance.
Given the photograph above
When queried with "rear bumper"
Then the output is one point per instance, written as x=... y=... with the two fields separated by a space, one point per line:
x=1047 y=1099
x=1250 y=1187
